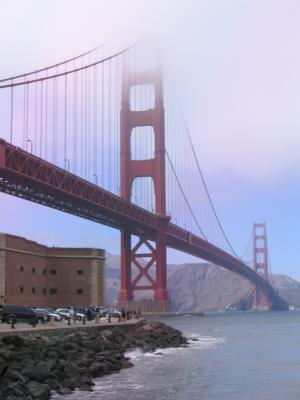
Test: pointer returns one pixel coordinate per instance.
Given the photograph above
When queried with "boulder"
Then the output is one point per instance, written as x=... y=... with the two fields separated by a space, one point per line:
x=39 y=391
x=14 y=340
x=40 y=372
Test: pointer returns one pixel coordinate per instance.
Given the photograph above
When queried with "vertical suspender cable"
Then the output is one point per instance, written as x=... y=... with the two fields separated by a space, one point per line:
x=82 y=124
x=11 y=112
x=95 y=121
x=89 y=141
x=102 y=125
x=24 y=114
x=109 y=169
x=66 y=162
x=41 y=119
x=27 y=107
x=75 y=122
x=46 y=120
x=35 y=116
x=85 y=124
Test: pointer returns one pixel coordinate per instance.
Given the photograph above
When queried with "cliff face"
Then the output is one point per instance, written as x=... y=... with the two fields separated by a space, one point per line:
x=197 y=287
x=288 y=288
x=203 y=286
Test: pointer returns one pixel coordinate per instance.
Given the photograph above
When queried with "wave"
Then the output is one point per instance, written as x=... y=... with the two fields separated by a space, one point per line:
x=195 y=341
x=199 y=342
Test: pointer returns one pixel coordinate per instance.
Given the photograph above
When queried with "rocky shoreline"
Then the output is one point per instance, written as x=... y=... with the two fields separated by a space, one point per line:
x=31 y=367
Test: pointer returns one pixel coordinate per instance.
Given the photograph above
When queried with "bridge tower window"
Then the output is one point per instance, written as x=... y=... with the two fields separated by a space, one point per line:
x=142 y=97
x=142 y=143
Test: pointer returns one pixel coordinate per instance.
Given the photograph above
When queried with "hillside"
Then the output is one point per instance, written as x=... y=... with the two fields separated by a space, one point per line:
x=203 y=286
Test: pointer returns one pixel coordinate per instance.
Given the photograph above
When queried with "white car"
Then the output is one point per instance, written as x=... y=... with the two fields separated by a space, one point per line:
x=54 y=315
x=66 y=313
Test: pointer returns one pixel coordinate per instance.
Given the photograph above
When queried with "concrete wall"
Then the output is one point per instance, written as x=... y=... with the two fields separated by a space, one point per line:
x=34 y=274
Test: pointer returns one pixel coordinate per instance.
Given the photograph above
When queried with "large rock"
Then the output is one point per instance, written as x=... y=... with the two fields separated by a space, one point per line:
x=14 y=340
x=40 y=372
x=39 y=391
x=28 y=372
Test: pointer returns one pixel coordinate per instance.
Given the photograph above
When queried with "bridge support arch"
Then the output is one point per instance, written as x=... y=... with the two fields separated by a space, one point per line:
x=261 y=299
x=148 y=257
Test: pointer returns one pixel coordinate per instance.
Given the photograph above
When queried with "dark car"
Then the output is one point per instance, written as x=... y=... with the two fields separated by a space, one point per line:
x=14 y=314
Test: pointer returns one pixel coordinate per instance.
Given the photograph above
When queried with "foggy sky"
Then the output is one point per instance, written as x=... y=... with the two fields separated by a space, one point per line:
x=236 y=65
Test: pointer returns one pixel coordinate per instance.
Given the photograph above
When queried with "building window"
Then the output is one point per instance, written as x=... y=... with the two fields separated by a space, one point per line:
x=44 y=271
x=21 y=269
x=79 y=291
x=33 y=270
x=79 y=272
x=21 y=289
x=53 y=272
x=53 y=291
x=45 y=291
x=33 y=290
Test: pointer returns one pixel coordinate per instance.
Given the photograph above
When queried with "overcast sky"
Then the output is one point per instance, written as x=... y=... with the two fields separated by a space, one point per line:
x=236 y=65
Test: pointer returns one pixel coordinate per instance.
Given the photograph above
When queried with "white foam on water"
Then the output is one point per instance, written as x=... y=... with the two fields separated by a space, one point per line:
x=201 y=343
x=115 y=385
x=134 y=354
x=205 y=342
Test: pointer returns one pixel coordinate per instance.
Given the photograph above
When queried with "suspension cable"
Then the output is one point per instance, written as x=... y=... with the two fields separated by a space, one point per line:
x=206 y=188
x=54 y=65
x=57 y=75
x=184 y=196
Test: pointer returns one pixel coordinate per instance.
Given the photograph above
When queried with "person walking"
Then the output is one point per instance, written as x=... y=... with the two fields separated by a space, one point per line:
x=123 y=313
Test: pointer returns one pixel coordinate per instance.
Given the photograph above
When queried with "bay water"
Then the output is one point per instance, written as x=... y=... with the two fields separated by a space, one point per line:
x=238 y=356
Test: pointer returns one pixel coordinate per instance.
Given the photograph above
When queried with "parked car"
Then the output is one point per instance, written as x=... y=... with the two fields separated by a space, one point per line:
x=13 y=314
x=42 y=312
x=112 y=313
x=63 y=312
x=66 y=313
x=54 y=314
x=48 y=314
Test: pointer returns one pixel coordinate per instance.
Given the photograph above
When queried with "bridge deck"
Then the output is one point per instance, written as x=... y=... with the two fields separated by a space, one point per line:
x=29 y=177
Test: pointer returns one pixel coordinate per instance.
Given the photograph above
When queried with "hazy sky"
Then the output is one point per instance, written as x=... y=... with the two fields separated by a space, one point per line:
x=236 y=65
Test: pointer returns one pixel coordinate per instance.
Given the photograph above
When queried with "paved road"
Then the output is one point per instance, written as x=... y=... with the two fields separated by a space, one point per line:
x=25 y=327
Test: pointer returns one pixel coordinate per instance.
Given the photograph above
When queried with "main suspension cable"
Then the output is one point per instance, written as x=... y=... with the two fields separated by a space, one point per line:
x=57 y=75
x=184 y=196
x=206 y=188
x=54 y=65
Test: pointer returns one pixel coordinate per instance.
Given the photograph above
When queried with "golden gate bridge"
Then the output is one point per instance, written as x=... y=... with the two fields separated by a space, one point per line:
x=101 y=136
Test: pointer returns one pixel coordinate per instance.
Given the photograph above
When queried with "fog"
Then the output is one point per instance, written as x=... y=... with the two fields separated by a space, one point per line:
x=235 y=67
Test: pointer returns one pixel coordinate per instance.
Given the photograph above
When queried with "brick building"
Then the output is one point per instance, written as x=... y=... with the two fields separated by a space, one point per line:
x=34 y=274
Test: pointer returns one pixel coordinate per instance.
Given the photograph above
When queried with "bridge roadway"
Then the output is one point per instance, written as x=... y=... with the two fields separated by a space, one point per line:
x=32 y=178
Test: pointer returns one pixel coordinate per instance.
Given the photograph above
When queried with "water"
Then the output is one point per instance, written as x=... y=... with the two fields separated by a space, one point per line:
x=239 y=356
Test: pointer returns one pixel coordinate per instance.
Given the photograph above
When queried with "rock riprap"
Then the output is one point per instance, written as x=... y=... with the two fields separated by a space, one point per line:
x=31 y=367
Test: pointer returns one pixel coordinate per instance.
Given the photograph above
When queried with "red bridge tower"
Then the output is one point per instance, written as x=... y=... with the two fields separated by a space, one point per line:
x=154 y=253
x=261 y=266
